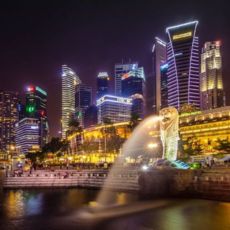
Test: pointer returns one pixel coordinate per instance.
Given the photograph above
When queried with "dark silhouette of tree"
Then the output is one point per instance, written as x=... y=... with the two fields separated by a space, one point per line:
x=134 y=121
x=187 y=108
x=223 y=145
x=190 y=147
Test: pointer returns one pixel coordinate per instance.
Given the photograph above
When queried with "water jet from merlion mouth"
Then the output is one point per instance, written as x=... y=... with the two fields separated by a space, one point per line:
x=136 y=145
x=142 y=140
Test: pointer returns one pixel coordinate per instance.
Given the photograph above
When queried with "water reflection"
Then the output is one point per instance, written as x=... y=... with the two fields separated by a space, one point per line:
x=14 y=205
x=56 y=209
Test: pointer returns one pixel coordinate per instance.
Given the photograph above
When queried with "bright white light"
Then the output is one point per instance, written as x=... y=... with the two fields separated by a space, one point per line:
x=181 y=25
x=152 y=145
x=160 y=41
x=115 y=99
x=145 y=167
x=102 y=74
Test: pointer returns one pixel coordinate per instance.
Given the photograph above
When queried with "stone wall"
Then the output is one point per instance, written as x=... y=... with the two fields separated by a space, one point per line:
x=210 y=184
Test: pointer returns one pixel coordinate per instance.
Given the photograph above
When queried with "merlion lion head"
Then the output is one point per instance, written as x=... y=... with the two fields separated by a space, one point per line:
x=168 y=115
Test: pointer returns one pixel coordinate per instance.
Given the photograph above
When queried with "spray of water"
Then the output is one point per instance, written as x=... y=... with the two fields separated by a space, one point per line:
x=136 y=145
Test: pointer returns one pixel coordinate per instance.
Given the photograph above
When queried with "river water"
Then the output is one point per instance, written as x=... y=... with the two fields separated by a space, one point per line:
x=57 y=209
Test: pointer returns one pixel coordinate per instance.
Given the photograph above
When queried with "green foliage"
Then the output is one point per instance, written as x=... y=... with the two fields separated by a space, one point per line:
x=114 y=143
x=74 y=123
x=187 y=108
x=55 y=146
x=34 y=157
x=223 y=145
x=189 y=147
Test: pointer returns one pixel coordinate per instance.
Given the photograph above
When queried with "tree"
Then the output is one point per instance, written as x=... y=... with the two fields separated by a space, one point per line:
x=114 y=143
x=187 y=108
x=53 y=146
x=134 y=121
x=74 y=126
x=197 y=147
x=223 y=145
x=189 y=147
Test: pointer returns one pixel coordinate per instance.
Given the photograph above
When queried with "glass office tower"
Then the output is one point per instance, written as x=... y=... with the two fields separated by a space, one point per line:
x=183 y=65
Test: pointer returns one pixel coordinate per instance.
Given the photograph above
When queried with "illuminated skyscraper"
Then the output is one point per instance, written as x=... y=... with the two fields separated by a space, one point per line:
x=83 y=99
x=28 y=138
x=164 y=86
x=132 y=85
x=102 y=84
x=36 y=107
x=212 y=93
x=8 y=119
x=69 y=82
x=120 y=70
x=153 y=86
x=183 y=65
x=90 y=116
x=114 y=109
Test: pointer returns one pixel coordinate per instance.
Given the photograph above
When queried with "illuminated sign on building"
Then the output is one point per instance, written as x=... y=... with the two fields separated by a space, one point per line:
x=184 y=35
x=41 y=90
x=114 y=99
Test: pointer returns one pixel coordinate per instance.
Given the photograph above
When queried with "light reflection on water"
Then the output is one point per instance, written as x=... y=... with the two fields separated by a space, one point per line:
x=56 y=209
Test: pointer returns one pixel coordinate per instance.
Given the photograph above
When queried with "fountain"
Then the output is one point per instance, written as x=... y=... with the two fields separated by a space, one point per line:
x=136 y=145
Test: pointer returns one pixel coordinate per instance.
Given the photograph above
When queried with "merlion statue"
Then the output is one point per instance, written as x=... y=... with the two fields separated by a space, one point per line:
x=169 y=127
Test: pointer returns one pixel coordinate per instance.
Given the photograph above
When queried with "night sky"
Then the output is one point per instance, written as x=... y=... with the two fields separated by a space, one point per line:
x=91 y=36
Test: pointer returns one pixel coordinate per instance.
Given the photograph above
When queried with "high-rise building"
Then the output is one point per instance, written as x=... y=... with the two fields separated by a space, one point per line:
x=113 y=108
x=69 y=82
x=8 y=119
x=164 y=86
x=83 y=99
x=28 y=138
x=212 y=92
x=36 y=107
x=153 y=94
x=132 y=85
x=102 y=84
x=183 y=65
x=119 y=71
x=90 y=116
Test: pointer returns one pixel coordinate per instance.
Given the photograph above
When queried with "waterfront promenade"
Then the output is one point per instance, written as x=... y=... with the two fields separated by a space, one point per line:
x=125 y=180
x=205 y=183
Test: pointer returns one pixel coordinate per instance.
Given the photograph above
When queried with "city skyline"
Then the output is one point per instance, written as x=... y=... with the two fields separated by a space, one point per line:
x=41 y=67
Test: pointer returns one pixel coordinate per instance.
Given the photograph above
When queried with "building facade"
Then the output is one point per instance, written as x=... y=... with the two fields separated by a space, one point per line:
x=36 y=107
x=183 y=65
x=8 y=119
x=28 y=137
x=119 y=71
x=113 y=108
x=211 y=82
x=133 y=85
x=69 y=82
x=206 y=127
x=153 y=99
x=102 y=84
x=90 y=116
x=83 y=99
x=164 y=86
